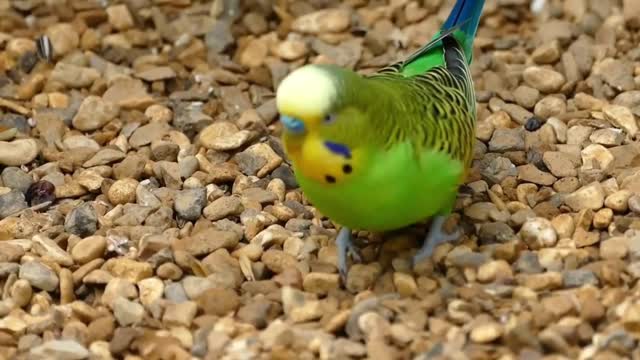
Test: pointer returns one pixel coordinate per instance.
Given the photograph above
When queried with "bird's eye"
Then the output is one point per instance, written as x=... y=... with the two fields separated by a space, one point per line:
x=330 y=118
x=293 y=125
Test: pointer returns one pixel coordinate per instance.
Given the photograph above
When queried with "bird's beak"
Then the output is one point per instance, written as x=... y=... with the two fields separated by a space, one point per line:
x=292 y=125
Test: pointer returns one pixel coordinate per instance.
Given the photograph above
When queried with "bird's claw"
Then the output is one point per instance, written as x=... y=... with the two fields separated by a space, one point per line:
x=435 y=237
x=346 y=248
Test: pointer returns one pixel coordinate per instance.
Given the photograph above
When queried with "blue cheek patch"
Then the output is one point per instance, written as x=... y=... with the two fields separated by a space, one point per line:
x=338 y=149
x=292 y=124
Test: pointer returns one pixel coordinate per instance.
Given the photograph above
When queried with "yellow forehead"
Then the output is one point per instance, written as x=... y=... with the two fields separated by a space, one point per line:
x=307 y=93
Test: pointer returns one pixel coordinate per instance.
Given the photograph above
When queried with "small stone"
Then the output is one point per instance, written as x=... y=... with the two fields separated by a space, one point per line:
x=547 y=53
x=120 y=17
x=208 y=241
x=17 y=179
x=320 y=283
x=405 y=284
x=291 y=50
x=486 y=332
x=590 y=196
x=607 y=137
x=277 y=260
x=550 y=106
x=223 y=136
x=559 y=163
x=614 y=248
x=583 y=238
x=60 y=349
x=526 y=96
x=361 y=277
x=563 y=225
x=64 y=39
x=156 y=73
x=223 y=207
x=128 y=269
x=258 y=160
x=39 y=275
x=618 y=201
x=578 y=278
x=94 y=113
x=11 y=203
x=127 y=312
x=602 y=218
x=617 y=73
x=123 y=191
x=18 y=152
x=51 y=250
x=297 y=308
x=543 y=79
x=181 y=314
x=538 y=233
x=531 y=173
x=596 y=157
x=190 y=203
x=74 y=76
x=494 y=271
x=218 y=301
x=89 y=249
x=621 y=117
x=82 y=220
x=533 y=124
x=21 y=292
x=507 y=140
x=128 y=93
x=323 y=21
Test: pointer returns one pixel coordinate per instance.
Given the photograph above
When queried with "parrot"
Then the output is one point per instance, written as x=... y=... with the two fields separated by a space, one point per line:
x=382 y=151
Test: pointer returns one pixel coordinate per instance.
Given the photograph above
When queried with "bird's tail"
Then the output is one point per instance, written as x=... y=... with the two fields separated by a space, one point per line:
x=464 y=20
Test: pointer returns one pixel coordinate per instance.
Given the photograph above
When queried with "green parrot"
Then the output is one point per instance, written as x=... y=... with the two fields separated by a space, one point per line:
x=384 y=151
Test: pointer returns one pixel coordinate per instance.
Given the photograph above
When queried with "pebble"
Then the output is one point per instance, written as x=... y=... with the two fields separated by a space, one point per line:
x=123 y=191
x=11 y=203
x=560 y=164
x=323 y=21
x=89 y=249
x=94 y=113
x=223 y=207
x=18 y=152
x=218 y=301
x=60 y=349
x=82 y=220
x=17 y=179
x=577 y=278
x=486 y=332
x=39 y=275
x=223 y=136
x=538 y=233
x=507 y=140
x=127 y=312
x=590 y=196
x=320 y=283
x=190 y=203
x=181 y=314
x=543 y=79
x=621 y=117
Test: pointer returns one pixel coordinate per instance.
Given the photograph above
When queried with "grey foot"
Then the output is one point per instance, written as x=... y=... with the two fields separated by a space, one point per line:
x=346 y=247
x=435 y=237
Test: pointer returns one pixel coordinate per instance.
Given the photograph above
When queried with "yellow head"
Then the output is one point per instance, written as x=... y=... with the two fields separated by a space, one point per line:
x=308 y=101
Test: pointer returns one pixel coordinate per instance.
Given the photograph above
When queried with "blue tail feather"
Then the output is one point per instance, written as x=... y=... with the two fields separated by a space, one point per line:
x=468 y=13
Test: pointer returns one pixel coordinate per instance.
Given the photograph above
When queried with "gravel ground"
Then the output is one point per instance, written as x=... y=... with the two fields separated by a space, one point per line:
x=147 y=210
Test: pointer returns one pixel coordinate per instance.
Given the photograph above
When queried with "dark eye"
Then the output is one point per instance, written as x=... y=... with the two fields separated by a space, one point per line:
x=330 y=118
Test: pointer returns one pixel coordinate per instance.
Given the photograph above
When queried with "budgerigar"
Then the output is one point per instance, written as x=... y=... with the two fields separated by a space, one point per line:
x=382 y=151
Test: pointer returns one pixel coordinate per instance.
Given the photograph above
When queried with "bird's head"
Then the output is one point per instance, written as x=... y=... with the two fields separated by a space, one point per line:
x=319 y=122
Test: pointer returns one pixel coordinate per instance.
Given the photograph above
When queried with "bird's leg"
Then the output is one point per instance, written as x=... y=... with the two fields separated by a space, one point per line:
x=435 y=237
x=346 y=247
